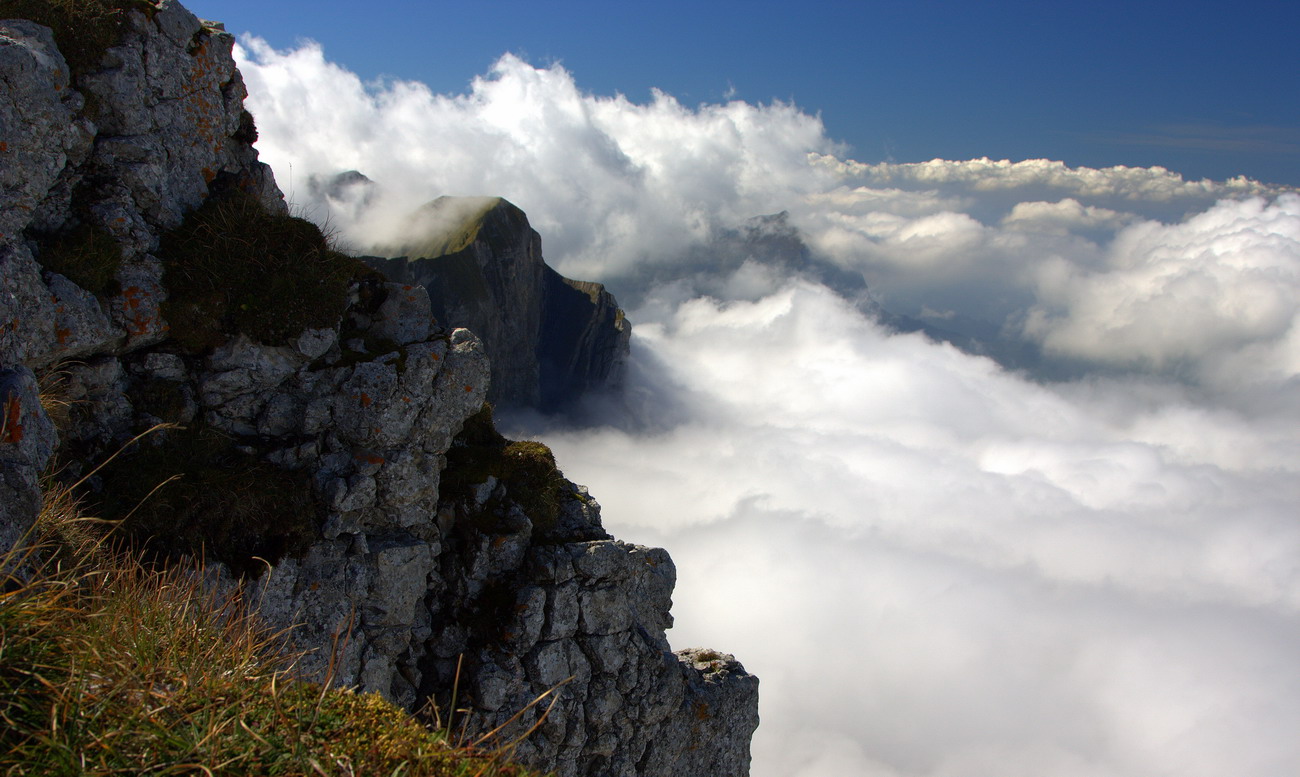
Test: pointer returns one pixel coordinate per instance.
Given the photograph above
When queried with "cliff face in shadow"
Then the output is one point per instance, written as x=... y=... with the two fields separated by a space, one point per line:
x=550 y=339
x=332 y=458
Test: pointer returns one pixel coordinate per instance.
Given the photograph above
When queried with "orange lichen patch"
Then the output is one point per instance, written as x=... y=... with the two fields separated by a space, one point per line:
x=11 y=421
x=369 y=458
x=406 y=399
x=133 y=296
x=3 y=146
x=137 y=322
x=468 y=389
x=702 y=711
x=120 y=220
x=436 y=357
x=365 y=399
x=208 y=175
x=62 y=335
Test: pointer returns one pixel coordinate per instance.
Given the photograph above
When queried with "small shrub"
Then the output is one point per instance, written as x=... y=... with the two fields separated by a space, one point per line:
x=234 y=267
x=247 y=132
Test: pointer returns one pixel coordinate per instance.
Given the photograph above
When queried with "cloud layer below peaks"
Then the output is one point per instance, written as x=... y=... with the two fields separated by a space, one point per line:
x=938 y=566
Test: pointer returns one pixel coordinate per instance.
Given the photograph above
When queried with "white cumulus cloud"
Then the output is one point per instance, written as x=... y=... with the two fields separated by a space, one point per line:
x=1217 y=297
x=938 y=566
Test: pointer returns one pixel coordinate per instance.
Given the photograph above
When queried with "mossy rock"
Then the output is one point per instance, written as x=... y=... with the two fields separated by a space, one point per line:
x=526 y=468
x=83 y=29
x=232 y=267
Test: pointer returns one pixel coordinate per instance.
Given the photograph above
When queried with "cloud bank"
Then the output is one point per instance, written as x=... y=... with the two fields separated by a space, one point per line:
x=938 y=567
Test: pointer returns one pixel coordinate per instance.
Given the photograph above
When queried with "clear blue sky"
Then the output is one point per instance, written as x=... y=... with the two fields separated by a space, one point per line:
x=1208 y=89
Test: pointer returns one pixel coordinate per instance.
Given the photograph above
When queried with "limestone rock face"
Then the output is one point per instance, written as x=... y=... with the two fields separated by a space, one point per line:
x=343 y=477
x=120 y=153
x=41 y=129
x=27 y=441
x=550 y=338
x=584 y=341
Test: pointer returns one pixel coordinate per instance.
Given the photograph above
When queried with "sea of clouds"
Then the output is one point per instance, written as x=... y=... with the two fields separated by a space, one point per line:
x=1084 y=562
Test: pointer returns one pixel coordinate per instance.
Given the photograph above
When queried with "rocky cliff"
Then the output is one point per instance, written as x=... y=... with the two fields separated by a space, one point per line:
x=550 y=339
x=329 y=452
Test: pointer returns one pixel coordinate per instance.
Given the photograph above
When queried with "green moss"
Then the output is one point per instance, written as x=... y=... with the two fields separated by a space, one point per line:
x=445 y=226
x=533 y=480
x=195 y=493
x=83 y=29
x=233 y=267
x=526 y=468
x=87 y=255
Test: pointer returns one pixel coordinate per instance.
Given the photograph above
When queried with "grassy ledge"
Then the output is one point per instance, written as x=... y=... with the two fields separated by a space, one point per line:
x=234 y=267
x=109 y=667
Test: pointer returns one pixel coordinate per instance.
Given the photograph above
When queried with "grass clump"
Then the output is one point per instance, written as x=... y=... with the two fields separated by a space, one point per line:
x=83 y=29
x=526 y=468
x=110 y=667
x=86 y=255
x=232 y=266
x=194 y=492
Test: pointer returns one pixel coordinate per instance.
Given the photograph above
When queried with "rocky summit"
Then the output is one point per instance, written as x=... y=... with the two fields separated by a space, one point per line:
x=325 y=444
x=551 y=339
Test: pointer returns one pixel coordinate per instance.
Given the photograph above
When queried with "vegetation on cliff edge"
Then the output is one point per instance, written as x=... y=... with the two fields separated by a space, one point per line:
x=110 y=667
x=526 y=468
x=83 y=29
x=232 y=266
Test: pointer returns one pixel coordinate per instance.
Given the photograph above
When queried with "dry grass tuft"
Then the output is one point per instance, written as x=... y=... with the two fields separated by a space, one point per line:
x=109 y=667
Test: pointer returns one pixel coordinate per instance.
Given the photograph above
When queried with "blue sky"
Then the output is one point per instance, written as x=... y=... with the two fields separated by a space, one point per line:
x=1208 y=89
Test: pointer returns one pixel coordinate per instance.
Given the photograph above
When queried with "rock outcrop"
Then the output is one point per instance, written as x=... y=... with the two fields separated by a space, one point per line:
x=550 y=339
x=332 y=453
